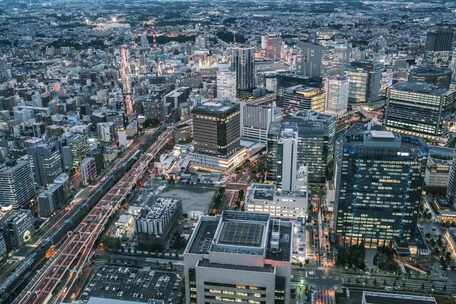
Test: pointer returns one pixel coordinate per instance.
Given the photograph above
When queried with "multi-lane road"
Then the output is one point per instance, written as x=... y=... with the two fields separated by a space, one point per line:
x=54 y=281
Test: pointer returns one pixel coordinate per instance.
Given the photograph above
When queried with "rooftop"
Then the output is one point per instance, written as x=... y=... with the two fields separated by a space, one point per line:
x=392 y=298
x=216 y=107
x=420 y=87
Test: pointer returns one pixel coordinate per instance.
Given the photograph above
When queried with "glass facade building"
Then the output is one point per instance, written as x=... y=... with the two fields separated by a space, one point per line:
x=379 y=185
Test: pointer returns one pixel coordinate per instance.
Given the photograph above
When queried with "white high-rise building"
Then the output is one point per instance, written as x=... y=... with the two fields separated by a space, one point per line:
x=336 y=88
x=288 y=159
x=226 y=82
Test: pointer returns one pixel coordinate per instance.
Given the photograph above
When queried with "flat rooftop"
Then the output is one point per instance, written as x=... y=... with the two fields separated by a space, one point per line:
x=420 y=87
x=393 y=298
x=204 y=236
x=244 y=234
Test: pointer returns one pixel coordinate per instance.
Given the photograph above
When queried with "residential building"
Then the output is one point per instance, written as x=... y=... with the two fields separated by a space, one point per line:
x=251 y=250
x=16 y=183
x=88 y=170
x=46 y=161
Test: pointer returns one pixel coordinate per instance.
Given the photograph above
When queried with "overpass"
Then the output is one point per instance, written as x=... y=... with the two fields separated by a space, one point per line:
x=53 y=282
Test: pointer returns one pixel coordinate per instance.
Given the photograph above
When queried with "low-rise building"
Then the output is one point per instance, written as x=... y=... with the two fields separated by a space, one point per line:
x=251 y=250
x=265 y=198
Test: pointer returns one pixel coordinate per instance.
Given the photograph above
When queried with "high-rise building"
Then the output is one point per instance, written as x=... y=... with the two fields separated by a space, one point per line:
x=272 y=46
x=16 y=183
x=451 y=191
x=316 y=134
x=88 y=170
x=46 y=161
x=439 y=45
x=226 y=82
x=363 y=81
x=417 y=108
x=216 y=128
x=301 y=98
x=252 y=251
x=379 y=186
x=20 y=227
x=287 y=158
x=256 y=117
x=439 y=76
x=309 y=61
x=336 y=89
x=243 y=63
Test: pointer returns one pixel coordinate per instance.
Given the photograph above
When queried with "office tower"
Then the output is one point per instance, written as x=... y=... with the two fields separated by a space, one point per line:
x=46 y=161
x=239 y=257
x=439 y=45
x=272 y=46
x=309 y=62
x=417 y=108
x=243 y=63
x=438 y=167
x=336 y=89
x=256 y=117
x=287 y=158
x=341 y=57
x=379 y=187
x=226 y=82
x=316 y=132
x=216 y=128
x=76 y=149
x=439 y=76
x=301 y=98
x=16 y=183
x=363 y=81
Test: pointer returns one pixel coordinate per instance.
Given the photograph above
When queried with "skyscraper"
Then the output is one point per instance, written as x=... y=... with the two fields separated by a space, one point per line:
x=47 y=162
x=336 y=89
x=287 y=158
x=363 y=81
x=379 y=187
x=216 y=128
x=226 y=82
x=439 y=45
x=243 y=63
x=417 y=108
x=16 y=183
x=316 y=133
x=309 y=63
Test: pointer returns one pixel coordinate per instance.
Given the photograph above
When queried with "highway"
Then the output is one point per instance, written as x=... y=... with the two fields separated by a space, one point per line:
x=53 y=282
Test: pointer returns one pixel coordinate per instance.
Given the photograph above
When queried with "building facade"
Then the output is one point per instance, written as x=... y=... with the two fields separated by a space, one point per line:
x=379 y=187
x=251 y=250
x=216 y=129
x=16 y=183
x=243 y=63
x=256 y=120
x=418 y=109
x=336 y=89
x=364 y=78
